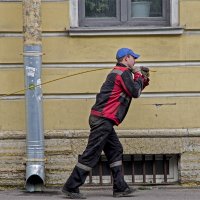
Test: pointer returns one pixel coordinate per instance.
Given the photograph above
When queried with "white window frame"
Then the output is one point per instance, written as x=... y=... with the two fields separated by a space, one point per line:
x=75 y=30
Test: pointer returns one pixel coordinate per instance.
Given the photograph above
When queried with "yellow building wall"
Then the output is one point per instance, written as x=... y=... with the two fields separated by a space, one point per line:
x=167 y=79
x=189 y=15
x=165 y=120
x=68 y=113
x=54 y=16
x=58 y=21
x=144 y=113
x=83 y=50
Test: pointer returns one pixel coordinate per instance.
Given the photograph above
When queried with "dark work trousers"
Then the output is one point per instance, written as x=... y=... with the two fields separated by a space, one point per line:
x=102 y=138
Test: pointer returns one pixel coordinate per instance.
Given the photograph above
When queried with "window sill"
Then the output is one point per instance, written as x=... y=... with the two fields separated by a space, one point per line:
x=123 y=31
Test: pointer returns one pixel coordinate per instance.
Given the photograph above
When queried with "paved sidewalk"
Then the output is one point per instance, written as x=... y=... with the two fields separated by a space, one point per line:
x=147 y=194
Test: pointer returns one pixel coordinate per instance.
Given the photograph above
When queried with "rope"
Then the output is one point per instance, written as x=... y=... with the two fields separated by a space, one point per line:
x=47 y=82
x=32 y=86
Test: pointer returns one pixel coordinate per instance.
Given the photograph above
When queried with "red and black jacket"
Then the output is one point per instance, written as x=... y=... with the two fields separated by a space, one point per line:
x=116 y=93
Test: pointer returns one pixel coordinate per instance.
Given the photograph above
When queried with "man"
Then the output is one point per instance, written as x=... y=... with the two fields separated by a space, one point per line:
x=122 y=84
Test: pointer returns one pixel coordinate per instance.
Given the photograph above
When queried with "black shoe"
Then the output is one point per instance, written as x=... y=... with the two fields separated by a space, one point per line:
x=73 y=195
x=128 y=192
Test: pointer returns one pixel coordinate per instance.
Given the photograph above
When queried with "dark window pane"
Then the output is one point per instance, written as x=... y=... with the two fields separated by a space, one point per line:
x=156 y=8
x=127 y=167
x=149 y=167
x=160 y=167
x=138 y=168
x=100 y=8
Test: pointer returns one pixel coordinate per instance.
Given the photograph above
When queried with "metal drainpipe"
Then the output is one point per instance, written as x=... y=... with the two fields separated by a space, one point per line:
x=35 y=162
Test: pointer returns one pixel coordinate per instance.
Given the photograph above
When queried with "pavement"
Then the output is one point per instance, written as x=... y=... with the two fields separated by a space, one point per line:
x=149 y=193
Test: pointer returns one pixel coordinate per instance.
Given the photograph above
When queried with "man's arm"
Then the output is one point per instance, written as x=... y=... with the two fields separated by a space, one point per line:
x=133 y=87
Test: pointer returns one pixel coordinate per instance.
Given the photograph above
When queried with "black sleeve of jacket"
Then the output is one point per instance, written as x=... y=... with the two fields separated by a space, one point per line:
x=134 y=87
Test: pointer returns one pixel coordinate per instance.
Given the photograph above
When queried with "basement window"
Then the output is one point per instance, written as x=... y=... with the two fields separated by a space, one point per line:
x=138 y=169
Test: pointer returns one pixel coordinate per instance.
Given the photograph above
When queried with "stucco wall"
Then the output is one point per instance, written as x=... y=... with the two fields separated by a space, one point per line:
x=63 y=147
x=170 y=103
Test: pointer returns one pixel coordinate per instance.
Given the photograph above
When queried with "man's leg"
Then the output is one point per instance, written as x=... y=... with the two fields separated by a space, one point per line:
x=100 y=129
x=114 y=152
x=76 y=179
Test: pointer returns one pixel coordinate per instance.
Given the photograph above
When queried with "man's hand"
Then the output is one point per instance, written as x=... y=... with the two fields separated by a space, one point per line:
x=145 y=71
x=135 y=69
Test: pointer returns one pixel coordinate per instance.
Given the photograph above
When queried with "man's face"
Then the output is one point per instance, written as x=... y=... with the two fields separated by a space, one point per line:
x=130 y=61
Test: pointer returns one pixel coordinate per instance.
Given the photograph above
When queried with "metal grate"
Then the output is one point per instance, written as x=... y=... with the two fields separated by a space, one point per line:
x=138 y=169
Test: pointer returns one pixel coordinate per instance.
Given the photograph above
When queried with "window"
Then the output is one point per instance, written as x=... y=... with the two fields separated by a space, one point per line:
x=140 y=169
x=104 y=13
x=123 y=17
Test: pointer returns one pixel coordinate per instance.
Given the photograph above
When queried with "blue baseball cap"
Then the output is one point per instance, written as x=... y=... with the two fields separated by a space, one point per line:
x=125 y=52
